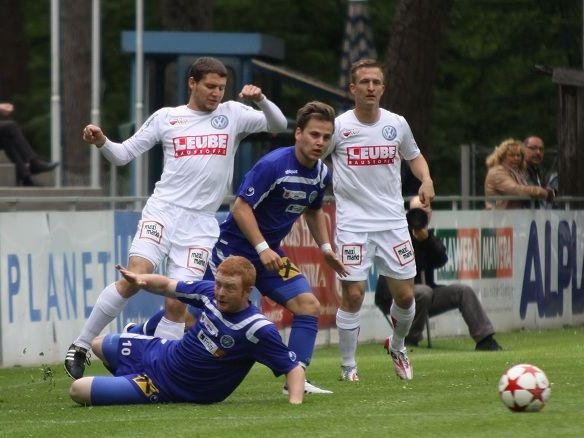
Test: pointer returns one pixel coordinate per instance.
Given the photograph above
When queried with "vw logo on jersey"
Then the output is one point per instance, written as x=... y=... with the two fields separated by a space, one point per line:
x=226 y=341
x=219 y=122
x=312 y=197
x=249 y=191
x=389 y=132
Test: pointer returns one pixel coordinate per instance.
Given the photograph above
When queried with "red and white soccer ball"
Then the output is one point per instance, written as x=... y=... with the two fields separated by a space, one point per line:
x=524 y=388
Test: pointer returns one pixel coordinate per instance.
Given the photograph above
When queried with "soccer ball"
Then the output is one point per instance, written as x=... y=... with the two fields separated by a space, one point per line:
x=524 y=388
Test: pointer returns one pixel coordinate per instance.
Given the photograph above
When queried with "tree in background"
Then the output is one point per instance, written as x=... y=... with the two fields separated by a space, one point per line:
x=412 y=64
x=76 y=86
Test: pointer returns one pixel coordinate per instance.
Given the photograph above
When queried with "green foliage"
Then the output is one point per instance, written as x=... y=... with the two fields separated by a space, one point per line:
x=454 y=393
x=487 y=89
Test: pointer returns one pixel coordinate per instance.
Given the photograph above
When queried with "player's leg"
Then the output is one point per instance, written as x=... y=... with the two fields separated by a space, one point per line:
x=188 y=259
x=102 y=390
x=289 y=288
x=396 y=265
x=423 y=296
x=109 y=305
x=356 y=253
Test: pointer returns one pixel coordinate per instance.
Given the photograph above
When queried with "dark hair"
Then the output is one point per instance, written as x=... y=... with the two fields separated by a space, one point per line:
x=205 y=65
x=364 y=63
x=314 y=110
x=240 y=266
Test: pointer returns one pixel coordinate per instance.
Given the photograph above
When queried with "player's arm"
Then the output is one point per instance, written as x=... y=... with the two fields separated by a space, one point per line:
x=247 y=223
x=275 y=118
x=154 y=283
x=316 y=222
x=295 y=380
x=420 y=169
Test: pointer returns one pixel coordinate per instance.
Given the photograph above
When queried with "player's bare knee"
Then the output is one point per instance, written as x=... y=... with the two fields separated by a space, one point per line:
x=80 y=391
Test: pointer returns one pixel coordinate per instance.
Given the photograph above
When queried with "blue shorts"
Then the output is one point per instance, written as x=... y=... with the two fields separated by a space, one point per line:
x=123 y=353
x=279 y=286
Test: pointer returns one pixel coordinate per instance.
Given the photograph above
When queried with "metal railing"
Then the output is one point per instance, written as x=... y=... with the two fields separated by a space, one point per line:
x=73 y=203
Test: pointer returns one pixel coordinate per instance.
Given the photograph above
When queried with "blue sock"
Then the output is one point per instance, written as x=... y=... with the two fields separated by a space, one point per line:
x=149 y=326
x=303 y=337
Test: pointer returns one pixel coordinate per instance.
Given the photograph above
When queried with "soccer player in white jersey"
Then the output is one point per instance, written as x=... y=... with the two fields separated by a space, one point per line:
x=199 y=141
x=368 y=147
x=210 y=361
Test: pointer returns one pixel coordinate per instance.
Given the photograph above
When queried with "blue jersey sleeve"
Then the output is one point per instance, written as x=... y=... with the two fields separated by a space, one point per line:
x=326 y=179
x=257 y=182
x=271 y=351
x=195 y=293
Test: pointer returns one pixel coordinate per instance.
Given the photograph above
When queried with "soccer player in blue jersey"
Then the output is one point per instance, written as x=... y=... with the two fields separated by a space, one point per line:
x=209 y=362
x=282 y=186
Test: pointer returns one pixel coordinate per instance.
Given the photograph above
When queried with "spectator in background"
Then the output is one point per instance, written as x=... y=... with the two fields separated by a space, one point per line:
x=19 y=150
x=506 y=177
x=534 y=151
x=433 y=299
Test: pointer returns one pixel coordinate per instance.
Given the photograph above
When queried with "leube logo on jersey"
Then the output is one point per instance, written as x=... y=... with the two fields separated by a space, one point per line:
x=352 y=255
x=226 y=341
x=370 y=155
x=212 y=144
x=294 y=194
x=198 y=259
x=346 y=133
x=389 y=132
x=404 y=252
x=208 y=324
x=219 y=122
x=151 y=230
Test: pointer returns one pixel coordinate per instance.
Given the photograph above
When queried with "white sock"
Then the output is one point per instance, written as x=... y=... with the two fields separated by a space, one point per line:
x=402 y=321
x=348 y=327
x=168 y=329
x=108 y=306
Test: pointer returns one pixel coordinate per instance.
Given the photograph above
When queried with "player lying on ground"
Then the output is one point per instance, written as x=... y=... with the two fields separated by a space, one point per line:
x=209 y=362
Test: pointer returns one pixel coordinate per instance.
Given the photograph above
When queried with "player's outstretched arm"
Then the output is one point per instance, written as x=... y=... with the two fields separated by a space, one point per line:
x=295 y=380
x=154 y=283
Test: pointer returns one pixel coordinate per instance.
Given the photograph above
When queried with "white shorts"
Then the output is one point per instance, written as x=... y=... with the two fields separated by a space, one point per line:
x=390 y=251
x=184 y=236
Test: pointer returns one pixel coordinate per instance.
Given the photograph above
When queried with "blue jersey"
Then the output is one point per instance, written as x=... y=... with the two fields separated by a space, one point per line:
x=278 y=189
x=216 y=354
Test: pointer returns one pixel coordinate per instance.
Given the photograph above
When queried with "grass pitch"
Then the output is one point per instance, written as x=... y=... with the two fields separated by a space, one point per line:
x=454 y=393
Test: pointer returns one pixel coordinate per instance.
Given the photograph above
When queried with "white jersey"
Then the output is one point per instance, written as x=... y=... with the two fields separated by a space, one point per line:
x=199 y=151
x=367 y=171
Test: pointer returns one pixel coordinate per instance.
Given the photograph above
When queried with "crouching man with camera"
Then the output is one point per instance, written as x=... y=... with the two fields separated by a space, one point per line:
x=433 y=299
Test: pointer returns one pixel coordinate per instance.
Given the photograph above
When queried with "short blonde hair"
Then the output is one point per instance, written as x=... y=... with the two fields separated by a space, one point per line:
x=241 y=267
x=498 y=155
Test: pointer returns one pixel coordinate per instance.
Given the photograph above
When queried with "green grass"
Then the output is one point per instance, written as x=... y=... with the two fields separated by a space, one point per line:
x=454 y=393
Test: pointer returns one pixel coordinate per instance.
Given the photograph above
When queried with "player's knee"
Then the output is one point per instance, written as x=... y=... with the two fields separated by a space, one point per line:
x=174 y=310
x=80 y=391
x=126 y=289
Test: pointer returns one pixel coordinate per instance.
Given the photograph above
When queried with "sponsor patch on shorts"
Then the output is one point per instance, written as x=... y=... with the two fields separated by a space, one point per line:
x=404 y=252
x=198 y=259
x=151 y=230
x=352 y=255
x=147 y=387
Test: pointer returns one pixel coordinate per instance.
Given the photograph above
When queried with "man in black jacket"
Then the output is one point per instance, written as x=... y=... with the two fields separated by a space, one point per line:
x=433 y=299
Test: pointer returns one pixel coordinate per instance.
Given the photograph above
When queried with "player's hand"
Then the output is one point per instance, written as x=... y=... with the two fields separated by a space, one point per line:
x=94 y=135
x=251 y=92
x=271 y=260
x=334 y=262
x=426 y=192
x=131 y=277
